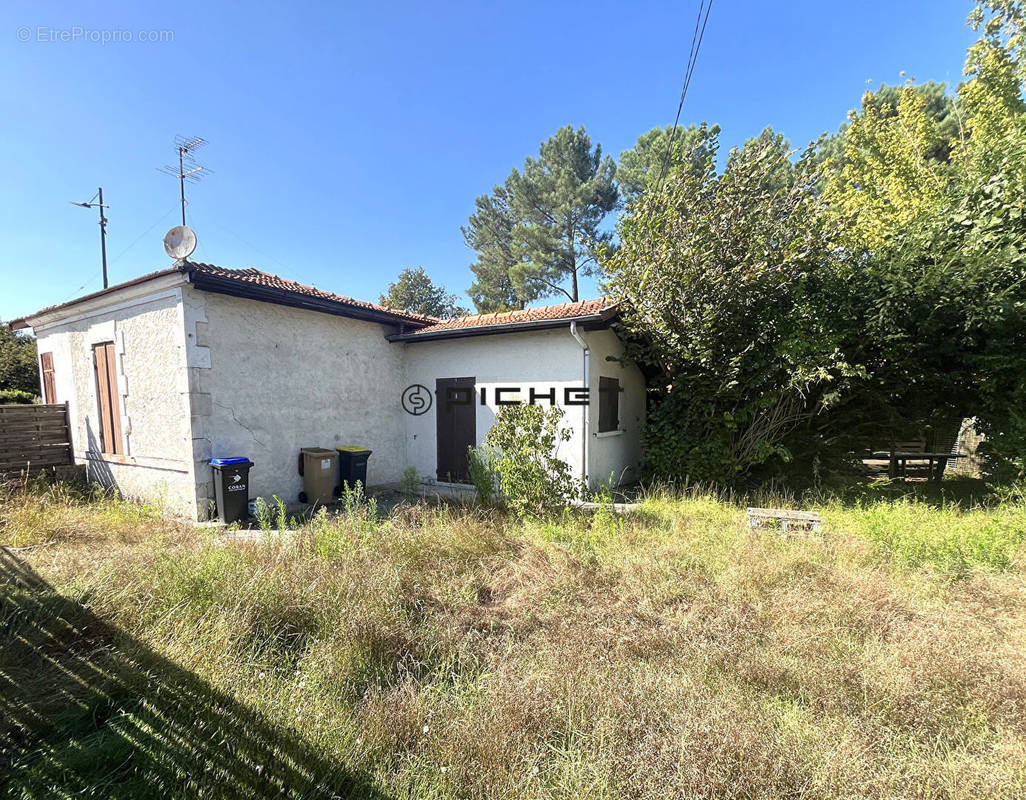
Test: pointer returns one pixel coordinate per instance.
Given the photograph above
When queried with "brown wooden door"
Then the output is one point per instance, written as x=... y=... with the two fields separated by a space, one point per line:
x=105 y=364
x=455 y=426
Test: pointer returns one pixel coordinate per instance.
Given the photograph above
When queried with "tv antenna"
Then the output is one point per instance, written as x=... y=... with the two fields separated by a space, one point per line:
x=98 y=198
x=187 y=169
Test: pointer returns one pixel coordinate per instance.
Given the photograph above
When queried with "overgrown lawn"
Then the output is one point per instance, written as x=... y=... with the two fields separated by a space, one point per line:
x=447 y=652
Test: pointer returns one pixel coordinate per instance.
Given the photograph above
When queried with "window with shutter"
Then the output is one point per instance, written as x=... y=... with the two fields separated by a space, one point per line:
x=105 y=364
x=609 y=404
x=49 y=386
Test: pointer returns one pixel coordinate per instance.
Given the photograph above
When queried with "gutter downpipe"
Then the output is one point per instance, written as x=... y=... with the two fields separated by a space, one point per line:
x=585 y=413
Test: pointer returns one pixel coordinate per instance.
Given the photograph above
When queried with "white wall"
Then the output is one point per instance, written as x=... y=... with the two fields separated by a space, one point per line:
x=268 y=380
x=203 y=375
x=542 y=360
x=616 y=455
x=146 y=328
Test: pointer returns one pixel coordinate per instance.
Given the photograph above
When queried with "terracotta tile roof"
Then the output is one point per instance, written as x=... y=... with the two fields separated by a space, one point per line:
x=268 y=280
x=567 y=311
x=431 y=325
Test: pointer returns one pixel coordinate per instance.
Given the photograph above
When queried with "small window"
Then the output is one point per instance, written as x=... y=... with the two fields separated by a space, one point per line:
x=105 y=363
x=609 y=404
x=49 y=387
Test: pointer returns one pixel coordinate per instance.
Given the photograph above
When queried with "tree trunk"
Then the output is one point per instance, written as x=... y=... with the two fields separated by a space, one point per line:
x=573 y=267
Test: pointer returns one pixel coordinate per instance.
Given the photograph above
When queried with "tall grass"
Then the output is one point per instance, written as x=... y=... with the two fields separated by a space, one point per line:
x=444 y=652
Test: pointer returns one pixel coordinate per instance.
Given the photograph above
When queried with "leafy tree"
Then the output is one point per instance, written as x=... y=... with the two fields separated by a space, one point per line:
x=937 y=103
x=965 y=264
x=798 y=311
x=544 y=223
x=775 y=146
x=414 y=291
x=18 y=370
x=490 y=233
x=934 y=256
x=945 y=317
x=641 y=166
x=992 y=99
x=886 y=177
x=722 y=276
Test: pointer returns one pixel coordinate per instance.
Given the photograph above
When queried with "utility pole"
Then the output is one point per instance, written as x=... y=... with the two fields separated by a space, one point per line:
x=103 y=227
x=103 y=236
x=187 y=169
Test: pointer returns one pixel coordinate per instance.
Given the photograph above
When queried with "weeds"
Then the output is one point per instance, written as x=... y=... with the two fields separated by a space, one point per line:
x=670 y=651
x=409 y=484
x=356 y=506
x=481 y=465
x=262 y=512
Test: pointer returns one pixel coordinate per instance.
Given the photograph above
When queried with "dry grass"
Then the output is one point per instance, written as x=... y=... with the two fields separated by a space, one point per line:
x=448 y=653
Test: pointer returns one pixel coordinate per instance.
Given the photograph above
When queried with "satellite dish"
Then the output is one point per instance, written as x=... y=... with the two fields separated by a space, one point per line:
x=179 y=242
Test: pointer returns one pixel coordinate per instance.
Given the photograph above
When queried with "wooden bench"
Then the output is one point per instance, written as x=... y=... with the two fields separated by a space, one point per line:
x=783 y=519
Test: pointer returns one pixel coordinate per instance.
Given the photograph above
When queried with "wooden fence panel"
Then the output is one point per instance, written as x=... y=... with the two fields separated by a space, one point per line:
x=34 y=436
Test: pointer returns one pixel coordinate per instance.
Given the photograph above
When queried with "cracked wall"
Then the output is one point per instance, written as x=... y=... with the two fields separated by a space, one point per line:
x=267 y=380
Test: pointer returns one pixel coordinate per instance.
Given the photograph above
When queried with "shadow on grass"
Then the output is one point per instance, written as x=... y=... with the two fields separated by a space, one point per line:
x=851 y=491
x=960 y=491
x=86 y=710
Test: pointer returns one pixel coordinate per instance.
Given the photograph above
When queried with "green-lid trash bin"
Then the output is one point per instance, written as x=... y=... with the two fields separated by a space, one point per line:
x=317 y=466
x=353 y=465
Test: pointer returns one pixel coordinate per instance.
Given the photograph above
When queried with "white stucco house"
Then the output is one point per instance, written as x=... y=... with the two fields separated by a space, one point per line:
x=164 y=372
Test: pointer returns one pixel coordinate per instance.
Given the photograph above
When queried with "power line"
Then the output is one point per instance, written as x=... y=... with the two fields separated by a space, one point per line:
x=141 y=235
x=696 y=44
x=123 y=252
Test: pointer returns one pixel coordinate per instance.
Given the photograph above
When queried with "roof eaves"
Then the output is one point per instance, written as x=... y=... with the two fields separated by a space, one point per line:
x=24 y=322
x=220 y=283
x=276 y=283
x=588 y=321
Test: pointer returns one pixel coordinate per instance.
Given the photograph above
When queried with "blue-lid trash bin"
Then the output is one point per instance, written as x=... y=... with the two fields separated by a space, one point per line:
x=231 y=488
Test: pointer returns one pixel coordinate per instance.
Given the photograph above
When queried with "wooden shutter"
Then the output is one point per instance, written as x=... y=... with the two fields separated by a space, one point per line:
x=105 y=363
x=609 y=404
x=49 y=387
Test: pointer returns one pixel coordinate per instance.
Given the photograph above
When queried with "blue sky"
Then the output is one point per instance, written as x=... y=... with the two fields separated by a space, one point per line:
x=348 y=141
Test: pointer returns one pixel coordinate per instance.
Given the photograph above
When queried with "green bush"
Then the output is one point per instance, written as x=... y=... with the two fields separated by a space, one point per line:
x=19 y=368
x=532 y=477
x=16 y=396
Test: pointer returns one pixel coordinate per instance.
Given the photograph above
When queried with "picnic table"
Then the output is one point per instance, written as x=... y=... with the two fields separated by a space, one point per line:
x=936 y=462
